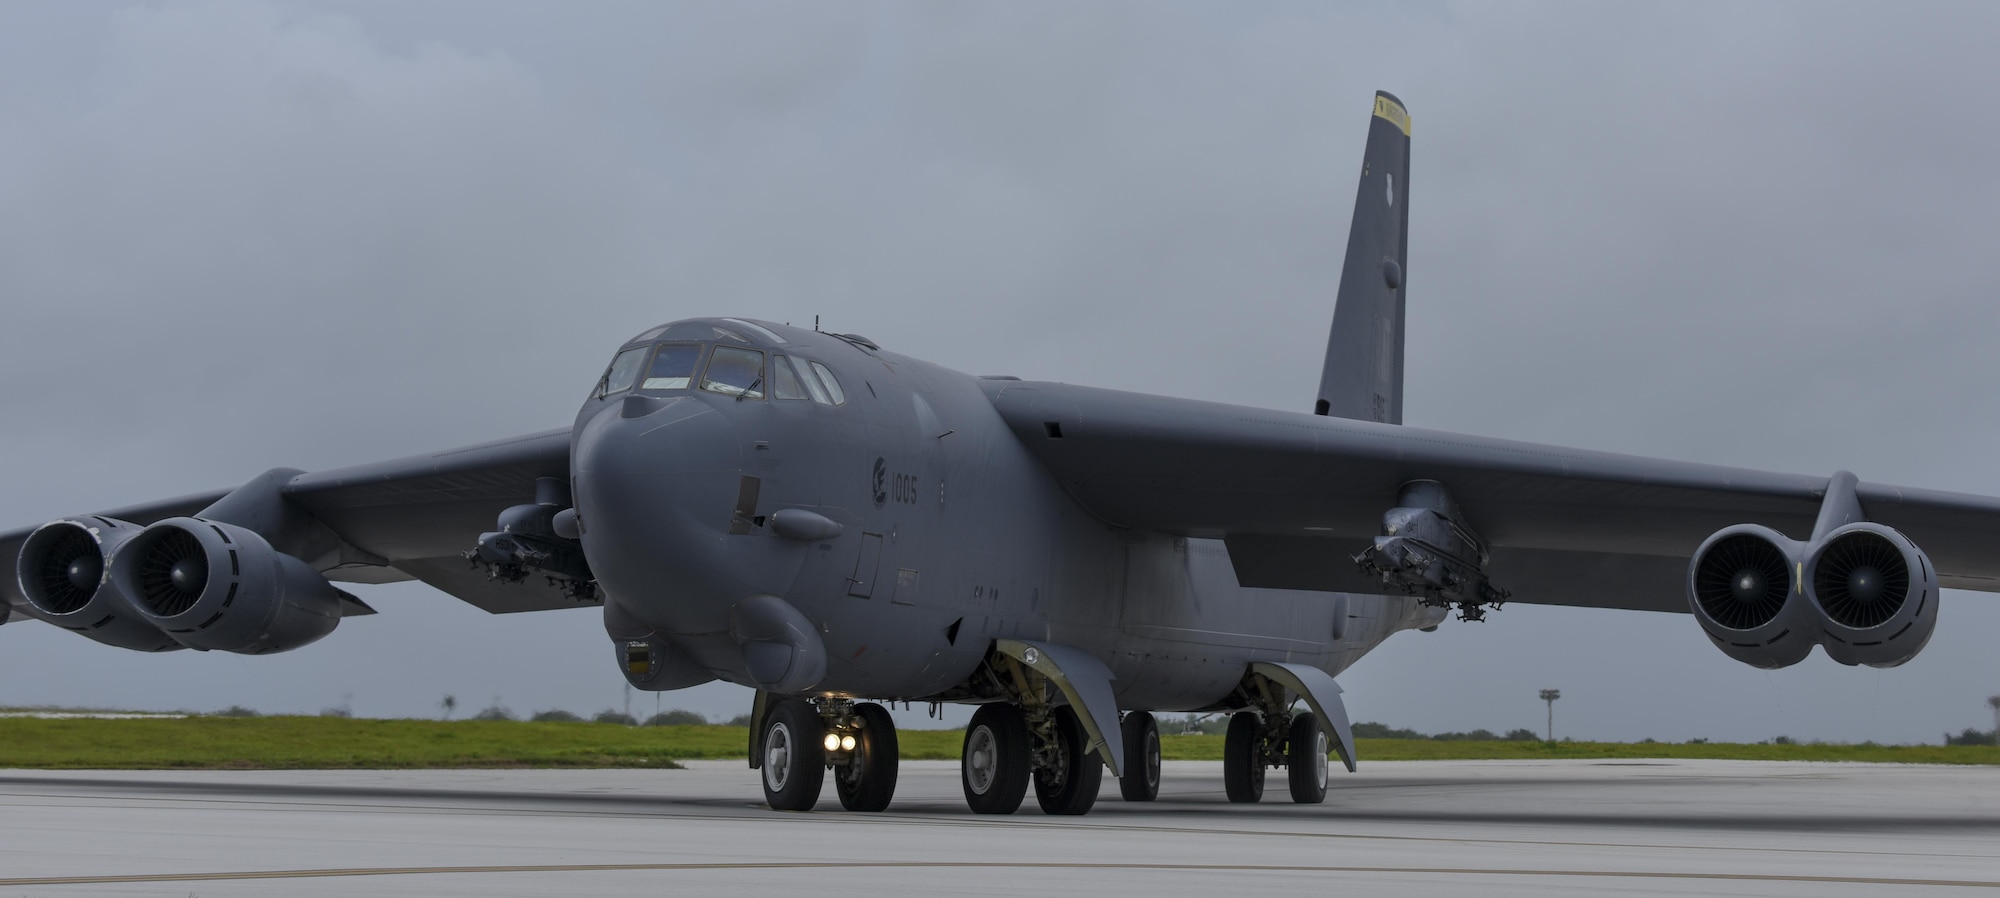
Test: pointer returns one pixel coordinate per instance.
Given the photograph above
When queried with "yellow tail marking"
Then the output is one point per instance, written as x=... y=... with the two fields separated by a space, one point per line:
x=1394 y=112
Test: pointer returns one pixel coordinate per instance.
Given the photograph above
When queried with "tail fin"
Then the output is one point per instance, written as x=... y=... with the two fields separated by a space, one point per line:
x=1362 y=376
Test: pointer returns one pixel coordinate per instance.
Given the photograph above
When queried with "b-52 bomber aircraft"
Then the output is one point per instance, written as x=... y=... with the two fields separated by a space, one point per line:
x=831 y=522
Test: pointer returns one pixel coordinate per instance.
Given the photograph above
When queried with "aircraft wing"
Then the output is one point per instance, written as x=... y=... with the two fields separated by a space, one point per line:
x=406 y=519
x=1296 y=496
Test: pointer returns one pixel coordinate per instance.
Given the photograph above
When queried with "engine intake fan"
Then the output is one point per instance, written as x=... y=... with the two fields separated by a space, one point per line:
x=62 y=575
x=1877 y=593
x=1743 y=590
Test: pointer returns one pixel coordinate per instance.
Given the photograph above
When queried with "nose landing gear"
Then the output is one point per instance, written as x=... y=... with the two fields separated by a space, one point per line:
x=793 y=756
x=799 y=740
x=867 y=780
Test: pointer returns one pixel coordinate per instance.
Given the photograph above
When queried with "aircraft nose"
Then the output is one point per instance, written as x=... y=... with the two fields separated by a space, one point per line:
x=654 y=435
x=656 y=484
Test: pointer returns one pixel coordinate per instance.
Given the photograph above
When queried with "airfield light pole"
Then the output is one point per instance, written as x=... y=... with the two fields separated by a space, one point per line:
x=1550 y=696
x=1994 y=700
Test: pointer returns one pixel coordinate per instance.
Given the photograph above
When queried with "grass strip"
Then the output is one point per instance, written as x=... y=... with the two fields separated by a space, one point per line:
x=1209 y=748
x=225 y=743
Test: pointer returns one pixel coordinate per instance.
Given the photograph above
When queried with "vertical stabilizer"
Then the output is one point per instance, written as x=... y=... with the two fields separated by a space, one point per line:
x=1362 y=376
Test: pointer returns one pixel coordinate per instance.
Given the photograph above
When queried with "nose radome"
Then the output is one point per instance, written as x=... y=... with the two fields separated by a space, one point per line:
x=647 y=434
x=654 y=495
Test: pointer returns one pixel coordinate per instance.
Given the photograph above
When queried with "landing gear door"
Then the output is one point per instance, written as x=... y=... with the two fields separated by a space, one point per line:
x=1322 y=693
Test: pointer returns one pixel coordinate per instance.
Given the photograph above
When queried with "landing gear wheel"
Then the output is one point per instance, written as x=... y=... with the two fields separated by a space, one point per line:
x=1071 y=785
x=868 y=780
x=794 y=759
x=1243 y=758
x=993 y=767
x=1305 y=759
x=1141 y=781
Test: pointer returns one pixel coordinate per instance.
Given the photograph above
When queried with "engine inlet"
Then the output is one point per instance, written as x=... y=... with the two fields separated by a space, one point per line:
x=1861 y=579
x=1742 y=581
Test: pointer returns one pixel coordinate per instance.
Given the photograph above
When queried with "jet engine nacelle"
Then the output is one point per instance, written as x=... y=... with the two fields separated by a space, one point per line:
x=212 y=585
x=1876 y=594
x=1743 y=588
x=62 y=575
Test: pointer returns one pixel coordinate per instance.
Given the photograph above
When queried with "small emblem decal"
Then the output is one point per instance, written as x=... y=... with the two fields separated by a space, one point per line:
x=881 y=481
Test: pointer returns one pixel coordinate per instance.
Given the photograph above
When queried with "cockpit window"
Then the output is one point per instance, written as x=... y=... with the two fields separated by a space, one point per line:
x=833 y=390
x=784 y=380
x=624 y=370
x=813 y=385
x=735 y=372
x=673 y=368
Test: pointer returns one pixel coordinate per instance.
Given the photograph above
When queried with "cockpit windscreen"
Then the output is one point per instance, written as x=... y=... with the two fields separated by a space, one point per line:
x=735 y=372
x=624 y=370
x=673 y=368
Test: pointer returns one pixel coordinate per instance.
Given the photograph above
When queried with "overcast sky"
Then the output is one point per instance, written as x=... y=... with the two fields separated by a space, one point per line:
x=241 y=235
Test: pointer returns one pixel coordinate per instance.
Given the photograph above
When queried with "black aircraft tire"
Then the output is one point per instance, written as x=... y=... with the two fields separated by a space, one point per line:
x=993 y=766
x=1141 y=781
x=868 y=782
x=794 y=758
x=1242 y=761
x=1071 y=790
x=1305 y=759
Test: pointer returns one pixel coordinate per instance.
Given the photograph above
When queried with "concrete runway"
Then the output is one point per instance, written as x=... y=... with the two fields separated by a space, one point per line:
x=1413 y=828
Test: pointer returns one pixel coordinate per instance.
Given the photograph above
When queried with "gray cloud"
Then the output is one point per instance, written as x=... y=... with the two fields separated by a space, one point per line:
x=240 y=235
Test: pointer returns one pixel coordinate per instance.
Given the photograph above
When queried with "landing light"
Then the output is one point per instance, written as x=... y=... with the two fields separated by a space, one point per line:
x=833 y=742
x=847 y=743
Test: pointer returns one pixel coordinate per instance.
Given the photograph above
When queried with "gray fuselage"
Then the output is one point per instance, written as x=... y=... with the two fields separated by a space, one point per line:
x=951 y=535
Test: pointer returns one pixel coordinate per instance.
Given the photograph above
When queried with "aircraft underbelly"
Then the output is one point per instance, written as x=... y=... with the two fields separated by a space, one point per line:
x=1185 y=631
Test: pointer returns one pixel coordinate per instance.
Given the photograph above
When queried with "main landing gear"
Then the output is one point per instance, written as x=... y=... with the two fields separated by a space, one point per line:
x=1141 y=781
x=1007 y=747
x=799 y=741
x=993 y=766
x=1270 y=734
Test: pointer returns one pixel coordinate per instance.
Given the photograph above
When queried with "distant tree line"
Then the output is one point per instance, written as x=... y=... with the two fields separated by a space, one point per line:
x=1369 y=730
x=1217 y=724
x=1970 y=737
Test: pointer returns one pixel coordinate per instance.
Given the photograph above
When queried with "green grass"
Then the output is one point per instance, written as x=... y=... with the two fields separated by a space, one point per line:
x=329 y=742
x=1209 y=748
